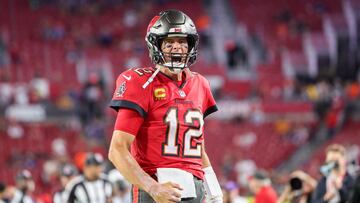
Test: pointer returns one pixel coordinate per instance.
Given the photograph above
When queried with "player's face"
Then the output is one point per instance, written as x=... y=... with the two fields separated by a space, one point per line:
x=175 y=49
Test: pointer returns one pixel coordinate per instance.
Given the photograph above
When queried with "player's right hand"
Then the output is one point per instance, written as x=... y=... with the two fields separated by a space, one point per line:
x=166 y=192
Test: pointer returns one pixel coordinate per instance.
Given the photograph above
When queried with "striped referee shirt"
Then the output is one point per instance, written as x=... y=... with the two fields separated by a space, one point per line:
x=80 y=190
x=20 y=197
x=59 y=197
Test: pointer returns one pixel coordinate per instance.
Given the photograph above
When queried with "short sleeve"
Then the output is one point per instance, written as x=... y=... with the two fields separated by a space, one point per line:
x=129 y=93
x=209 y=101
x=128 y=121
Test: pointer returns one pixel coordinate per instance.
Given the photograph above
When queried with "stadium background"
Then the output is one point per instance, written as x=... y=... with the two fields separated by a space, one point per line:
x=285 y=75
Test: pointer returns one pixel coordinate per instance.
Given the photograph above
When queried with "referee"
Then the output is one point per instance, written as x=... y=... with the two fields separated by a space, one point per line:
x=92 y=186
x=24 y=187
x=67 y=173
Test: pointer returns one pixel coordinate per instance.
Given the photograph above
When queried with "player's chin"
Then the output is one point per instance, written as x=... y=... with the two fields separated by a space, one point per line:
x=176 y=70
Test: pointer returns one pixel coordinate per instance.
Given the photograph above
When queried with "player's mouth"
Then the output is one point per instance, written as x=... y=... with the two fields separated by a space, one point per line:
x=177 y=58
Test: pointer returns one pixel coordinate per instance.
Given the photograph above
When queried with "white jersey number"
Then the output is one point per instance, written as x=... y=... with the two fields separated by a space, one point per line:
x=171 y=146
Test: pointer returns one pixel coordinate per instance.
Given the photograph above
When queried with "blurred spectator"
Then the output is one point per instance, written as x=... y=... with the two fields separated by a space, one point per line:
x=245 y=168
x=80 y=189
x=203 y=28
x=336 y=183
x=300 y=134
x=353 y=91
x=2 y=192
x=331 y=121
x=282 y=127
x=231 y=193
x=355 y=196
x=95 y=131
x=227 y=165
x=67 y=173
x=4 y=43
x=49 y=171
x=40 y=86
x=257 y=116
x=259 y=47
x=15 y=130
x=25 y=186
x=92 y=98
x=260 y=185
x=299 y=188
x=21 y=95
x=58 y=147
x=236 y=55
x=322 y=98
x=105 y=37
x=121 y=187
x=65 y=102
x=6 y=94
x=352 y=157
x=130 y=18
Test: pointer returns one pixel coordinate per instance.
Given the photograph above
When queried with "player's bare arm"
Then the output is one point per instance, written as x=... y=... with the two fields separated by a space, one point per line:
x=204 y=157
x=120 y=156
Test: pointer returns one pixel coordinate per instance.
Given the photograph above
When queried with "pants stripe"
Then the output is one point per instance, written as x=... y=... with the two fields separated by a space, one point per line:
x=135 y=195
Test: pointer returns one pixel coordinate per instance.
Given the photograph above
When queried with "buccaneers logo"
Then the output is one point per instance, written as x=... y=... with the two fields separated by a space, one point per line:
x=121 y=90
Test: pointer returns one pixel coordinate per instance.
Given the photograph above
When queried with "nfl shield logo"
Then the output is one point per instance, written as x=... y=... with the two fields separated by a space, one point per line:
x=120 y=92
x=182 y=93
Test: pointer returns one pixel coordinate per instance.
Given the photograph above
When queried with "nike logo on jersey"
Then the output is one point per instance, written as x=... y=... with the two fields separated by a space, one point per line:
x=127 y=77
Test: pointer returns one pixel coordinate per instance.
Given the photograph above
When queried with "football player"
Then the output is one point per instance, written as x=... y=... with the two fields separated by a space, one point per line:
x=161 y=113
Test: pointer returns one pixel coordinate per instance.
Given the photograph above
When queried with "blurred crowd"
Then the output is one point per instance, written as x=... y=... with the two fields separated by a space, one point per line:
x=92 y=171
x=337 y=183
x=82 y=109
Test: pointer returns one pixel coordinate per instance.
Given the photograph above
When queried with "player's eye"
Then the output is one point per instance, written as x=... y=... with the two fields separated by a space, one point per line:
x=184 y=44
x=168 y=45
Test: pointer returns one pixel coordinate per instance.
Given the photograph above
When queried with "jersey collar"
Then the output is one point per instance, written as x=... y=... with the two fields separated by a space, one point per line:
x=187 y=73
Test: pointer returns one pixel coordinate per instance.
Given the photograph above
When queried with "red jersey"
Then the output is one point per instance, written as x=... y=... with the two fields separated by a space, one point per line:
x=171 y=135
x=266 y=195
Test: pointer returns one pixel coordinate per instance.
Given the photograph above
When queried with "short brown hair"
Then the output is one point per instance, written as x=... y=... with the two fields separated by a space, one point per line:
x=336 y=148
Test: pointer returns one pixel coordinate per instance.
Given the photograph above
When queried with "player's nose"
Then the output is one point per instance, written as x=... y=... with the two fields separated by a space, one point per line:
x=177 y=47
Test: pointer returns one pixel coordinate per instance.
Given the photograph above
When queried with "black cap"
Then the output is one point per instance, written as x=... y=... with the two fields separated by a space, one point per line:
x=24 y=175
x=94 y=159
x=260 y=175
x=68 y=170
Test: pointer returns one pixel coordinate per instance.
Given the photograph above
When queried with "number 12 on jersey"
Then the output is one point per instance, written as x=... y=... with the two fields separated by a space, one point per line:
x=171 y=146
